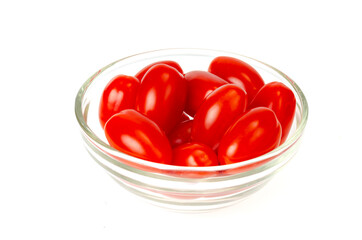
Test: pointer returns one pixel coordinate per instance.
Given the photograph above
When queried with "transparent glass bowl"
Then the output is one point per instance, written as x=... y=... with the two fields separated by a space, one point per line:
x=183 y=188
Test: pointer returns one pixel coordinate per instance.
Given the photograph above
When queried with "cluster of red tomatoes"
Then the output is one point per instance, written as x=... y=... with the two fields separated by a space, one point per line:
x=200 y=118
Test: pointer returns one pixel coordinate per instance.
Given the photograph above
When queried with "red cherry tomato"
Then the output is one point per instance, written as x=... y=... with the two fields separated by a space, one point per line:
x=162 y=96
x=143 y=71
x=184 y=117
x=215 y=115
x=194 y=155
x=257 y=132
x=281 y=100
x=199 y=85
x=120 y=93
x=181 y=133
x=238 y=72
x=245 y=168
x=133 y=133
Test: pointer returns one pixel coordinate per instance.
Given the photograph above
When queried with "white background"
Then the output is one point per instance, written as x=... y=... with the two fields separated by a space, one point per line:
x=51 y=189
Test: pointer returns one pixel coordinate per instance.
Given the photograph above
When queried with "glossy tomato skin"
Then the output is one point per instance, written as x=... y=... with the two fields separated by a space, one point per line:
x=281 y=100
x=255 y=133
x=199 y=85
x=133 y=133
x=184 y=117
x=162 y=96
x=194 y=155
x=181 y=133
x=120 y=93
x=238 y=72
x=215 y=115
x=143 y=71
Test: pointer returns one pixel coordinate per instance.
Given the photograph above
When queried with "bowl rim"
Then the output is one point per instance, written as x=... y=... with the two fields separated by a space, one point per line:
x=304 y=109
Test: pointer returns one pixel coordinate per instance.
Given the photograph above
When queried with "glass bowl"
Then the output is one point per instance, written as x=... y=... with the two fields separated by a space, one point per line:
x=175 y=187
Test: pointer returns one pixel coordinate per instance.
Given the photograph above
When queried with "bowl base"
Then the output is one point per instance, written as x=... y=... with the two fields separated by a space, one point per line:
x=187 y=204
